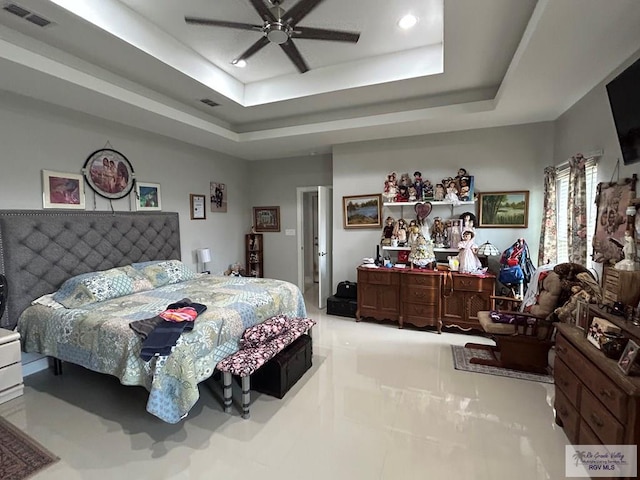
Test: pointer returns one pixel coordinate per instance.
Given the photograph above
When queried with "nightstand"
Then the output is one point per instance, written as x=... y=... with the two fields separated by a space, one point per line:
x=10 y=365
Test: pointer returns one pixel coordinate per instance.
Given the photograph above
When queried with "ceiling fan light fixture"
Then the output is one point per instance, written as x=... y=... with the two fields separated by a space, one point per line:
x=239 y=63
x=277 y=33
x=408 y=21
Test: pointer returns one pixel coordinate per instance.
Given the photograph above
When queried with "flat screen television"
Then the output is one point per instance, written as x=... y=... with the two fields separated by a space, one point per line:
x=624 y=99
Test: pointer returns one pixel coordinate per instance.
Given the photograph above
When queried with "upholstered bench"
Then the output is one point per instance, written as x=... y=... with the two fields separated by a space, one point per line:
x=258 y=345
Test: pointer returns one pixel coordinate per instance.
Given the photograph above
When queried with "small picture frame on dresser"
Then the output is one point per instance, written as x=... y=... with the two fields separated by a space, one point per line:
x=581 y=319
x=628 y=357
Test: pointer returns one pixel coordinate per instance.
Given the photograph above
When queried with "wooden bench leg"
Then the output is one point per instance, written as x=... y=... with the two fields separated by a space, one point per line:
x=246 y=396
x=226 y=391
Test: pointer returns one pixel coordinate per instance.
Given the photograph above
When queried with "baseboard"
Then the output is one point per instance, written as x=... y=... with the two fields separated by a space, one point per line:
x=35 y=366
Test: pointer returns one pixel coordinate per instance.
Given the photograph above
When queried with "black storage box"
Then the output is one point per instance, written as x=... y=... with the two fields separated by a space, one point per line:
x=347 y=289
x=279 y=374
x=344 y=307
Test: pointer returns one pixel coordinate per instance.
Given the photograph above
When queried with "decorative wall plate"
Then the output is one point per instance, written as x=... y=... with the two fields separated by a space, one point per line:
x=109 y=173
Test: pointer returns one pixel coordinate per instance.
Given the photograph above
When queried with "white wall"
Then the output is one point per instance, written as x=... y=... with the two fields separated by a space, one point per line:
x=35 y=136
x=274 y=183
x=500 y=159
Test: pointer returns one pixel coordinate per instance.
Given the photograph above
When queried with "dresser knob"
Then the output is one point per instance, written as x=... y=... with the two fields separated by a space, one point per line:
x=606 y=393
x=597 y=420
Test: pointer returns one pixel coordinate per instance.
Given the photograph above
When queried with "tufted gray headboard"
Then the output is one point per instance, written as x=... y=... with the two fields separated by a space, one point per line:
x=40 y=249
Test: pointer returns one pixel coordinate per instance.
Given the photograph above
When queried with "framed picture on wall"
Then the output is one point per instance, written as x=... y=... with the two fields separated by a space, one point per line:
x=62 y=190
x=148 y=196
x=504 y=209
x=109 y=173
x=266 y=219
x=362 y=211
x=198 y=206
x=218 y=193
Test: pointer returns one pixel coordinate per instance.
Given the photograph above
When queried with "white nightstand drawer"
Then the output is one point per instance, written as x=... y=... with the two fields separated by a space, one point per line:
x=9 y=353
x=10 y=376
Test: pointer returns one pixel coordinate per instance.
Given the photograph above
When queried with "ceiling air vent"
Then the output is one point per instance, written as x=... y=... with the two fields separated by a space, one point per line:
x=16 y=10
x=38 y=20
x=26 y=14
x=208 y=101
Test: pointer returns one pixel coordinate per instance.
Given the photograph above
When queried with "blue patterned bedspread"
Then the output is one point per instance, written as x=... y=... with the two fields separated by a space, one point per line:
x=98 y=336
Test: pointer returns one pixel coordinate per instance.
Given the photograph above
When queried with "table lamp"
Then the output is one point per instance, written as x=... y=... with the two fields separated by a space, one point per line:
x=203 y=255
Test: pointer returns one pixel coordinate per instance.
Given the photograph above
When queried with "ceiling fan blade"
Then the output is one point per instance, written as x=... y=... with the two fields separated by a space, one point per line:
x=263 y=11
x=299 y=11
x=322 y=34
x=222 y=23
x=259 y=45
x=294 y=55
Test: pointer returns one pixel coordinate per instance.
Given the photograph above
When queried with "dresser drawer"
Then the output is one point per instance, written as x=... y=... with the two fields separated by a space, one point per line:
x=566 y=381
x=419 y=314
x=570 y=356
x=587 y=436
x=9 y=353
x=424 y=295
x=10 y=376
x=603 y=424
x=568 y=416
x=471 y=284
x=378 y=277
x=424 y=280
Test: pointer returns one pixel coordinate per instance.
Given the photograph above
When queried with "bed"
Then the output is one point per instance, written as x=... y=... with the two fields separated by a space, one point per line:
x=129 y=263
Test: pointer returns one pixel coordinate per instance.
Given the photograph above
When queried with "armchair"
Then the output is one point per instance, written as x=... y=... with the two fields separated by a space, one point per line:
x=524 y=336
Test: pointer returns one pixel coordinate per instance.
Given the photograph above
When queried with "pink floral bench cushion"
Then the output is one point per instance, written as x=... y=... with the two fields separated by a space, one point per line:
x=260 y=343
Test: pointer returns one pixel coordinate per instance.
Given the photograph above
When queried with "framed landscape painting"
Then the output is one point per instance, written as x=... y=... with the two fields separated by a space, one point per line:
x=504 y=209
x=362 y=211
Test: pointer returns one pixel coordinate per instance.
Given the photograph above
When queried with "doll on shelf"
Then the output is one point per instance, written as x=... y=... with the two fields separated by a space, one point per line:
x=413 y=195
x=427 y=190
x=439 y=192
x=468 y=222
x=413 y=230
x=387 y=231
x=390 y=188
x=403 y=194
x=418 y=184
x=468 y=254
x=400 y=232
x=452 y=192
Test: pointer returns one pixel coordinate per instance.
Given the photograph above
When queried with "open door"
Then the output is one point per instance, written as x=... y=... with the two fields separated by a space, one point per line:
x=325 y=238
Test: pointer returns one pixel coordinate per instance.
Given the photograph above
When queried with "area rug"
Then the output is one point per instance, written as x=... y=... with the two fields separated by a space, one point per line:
x=462 y=355
x=20 y=456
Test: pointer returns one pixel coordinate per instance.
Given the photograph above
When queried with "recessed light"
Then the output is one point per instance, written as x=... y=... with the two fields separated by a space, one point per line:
x=239 y=63
x=407 y=21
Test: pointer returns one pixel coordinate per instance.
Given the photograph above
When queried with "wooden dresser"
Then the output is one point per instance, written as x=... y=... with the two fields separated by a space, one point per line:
x=596 y=403
x=423 y=298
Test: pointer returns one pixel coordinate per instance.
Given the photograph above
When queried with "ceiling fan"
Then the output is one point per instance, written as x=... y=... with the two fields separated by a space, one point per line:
x=281 y=27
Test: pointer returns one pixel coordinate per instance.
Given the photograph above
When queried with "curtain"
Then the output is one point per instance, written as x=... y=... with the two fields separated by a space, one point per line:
x=577 y=211
x=548 y=253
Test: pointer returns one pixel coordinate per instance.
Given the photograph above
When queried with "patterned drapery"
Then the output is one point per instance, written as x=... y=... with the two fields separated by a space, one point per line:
x=577 y=211
x=548 y=253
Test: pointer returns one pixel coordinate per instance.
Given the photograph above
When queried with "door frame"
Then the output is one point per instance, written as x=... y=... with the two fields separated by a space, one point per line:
x=300 y=191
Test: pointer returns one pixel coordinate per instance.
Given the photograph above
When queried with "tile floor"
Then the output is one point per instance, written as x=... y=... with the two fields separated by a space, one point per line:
x=378 y=403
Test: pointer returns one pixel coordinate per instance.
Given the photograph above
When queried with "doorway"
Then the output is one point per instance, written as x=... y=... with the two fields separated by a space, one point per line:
x=314 y=240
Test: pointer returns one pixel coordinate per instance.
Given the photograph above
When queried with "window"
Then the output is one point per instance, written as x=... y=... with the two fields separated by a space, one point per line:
x=562 y=179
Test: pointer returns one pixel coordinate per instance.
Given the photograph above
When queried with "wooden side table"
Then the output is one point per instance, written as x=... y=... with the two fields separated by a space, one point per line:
x=11 y=385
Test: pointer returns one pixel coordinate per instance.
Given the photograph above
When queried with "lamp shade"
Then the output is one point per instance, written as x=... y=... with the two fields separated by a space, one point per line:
x=488 y=250
x=204 y=255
